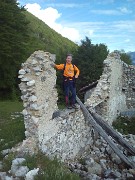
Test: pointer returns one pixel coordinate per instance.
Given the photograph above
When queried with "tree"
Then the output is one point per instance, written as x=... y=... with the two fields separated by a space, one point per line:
x=125 y=57
x=13 y=38
x=89 y=58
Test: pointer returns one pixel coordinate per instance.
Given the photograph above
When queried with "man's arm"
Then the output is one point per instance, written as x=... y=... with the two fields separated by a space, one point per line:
x=59 y=67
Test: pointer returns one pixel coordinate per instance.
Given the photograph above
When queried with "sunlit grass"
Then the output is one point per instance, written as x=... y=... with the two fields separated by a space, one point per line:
x=11 y=124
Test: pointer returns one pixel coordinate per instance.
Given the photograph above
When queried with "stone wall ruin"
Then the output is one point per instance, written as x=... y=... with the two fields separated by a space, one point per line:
x=67 y=135
x=115 y=91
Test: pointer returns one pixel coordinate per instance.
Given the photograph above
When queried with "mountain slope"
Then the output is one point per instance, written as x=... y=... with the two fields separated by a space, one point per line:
x=132 y=55
x=44 y=38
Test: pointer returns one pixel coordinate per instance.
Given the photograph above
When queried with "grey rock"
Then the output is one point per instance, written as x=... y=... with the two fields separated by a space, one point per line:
x=95 y=169
x=66 y=112
x=103 y=163
x=107 y=173
x=128 y=175
x=31 y=83
x=35 y=120
x=34 y=62
x=34 y=106
x=25 y=112
x=89 y=161
x=116 y=174
x=31 y=174
x=21 y=171
x=33 y=98
x=9 y=178
x=38 y=73
x=5 y=152
x=22 y=71
x=116 y=159
x=20 y=76
x=2 y=175
x=56 y=114
x=37 y=69
x=16 y=163
x=25 y=79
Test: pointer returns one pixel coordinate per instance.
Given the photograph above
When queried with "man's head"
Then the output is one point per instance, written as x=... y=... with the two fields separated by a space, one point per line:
x=69 y=58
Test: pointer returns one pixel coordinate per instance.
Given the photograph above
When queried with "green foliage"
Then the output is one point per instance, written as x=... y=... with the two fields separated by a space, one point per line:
x=125 y=57
x=49 y=169
x=13 y=37
x=89 y=59
x=44 y=38
x=11 y=124
x=21 y=34
x=7 y=162
x=125 y=125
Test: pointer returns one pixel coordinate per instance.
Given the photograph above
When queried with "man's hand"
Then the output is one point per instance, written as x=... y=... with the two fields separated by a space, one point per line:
x=76 y=76
x=52 y=65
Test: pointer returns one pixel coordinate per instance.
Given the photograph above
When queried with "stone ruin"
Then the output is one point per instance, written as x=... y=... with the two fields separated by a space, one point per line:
x=115 y=92
x=64 y=133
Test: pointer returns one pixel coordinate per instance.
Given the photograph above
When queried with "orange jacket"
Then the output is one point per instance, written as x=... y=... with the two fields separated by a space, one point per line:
x=69 y=69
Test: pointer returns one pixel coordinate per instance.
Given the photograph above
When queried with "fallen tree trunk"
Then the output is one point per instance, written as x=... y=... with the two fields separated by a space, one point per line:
x=110 y=131
x=91 y=120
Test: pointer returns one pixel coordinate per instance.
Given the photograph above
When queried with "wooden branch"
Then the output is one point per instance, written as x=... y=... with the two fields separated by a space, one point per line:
x=91 y=120
x=114 y=134
x=90 y=86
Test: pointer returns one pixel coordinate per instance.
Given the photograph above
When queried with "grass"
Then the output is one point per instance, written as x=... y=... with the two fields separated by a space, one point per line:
x=7 y=162
x=11 y=124
x=48 y=169
x=125 y=125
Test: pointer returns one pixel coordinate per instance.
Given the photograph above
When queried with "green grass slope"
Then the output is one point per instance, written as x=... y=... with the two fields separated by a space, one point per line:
x=42 y=37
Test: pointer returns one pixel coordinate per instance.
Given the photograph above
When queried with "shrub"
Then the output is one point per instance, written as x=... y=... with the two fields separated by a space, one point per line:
x=125 y=125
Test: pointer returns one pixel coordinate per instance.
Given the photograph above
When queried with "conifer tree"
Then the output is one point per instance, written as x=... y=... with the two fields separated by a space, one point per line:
x=89 y=58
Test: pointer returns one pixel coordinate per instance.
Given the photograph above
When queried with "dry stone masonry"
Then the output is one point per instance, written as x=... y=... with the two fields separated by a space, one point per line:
x=56 y=133
x=65 y=134
x=115 y=91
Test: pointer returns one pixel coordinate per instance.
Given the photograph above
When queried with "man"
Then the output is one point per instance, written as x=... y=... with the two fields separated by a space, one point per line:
x=70 y=73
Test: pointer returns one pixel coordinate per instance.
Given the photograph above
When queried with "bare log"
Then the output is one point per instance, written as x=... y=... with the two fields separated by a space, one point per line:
x=114 y=134
x=91 y=120
x=90 y=86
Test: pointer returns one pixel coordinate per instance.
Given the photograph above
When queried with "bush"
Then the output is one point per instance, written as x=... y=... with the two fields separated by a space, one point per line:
x=125 y=125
